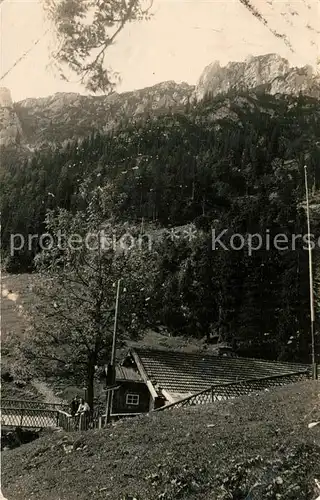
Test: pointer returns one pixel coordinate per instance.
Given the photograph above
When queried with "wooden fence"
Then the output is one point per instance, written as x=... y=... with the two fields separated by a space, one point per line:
x=81 y=422
x=232 y=390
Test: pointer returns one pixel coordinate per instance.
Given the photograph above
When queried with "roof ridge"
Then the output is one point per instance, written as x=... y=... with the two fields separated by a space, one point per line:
x=208 y=354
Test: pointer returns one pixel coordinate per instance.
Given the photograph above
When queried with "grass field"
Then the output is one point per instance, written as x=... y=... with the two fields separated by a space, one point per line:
x=255 y=448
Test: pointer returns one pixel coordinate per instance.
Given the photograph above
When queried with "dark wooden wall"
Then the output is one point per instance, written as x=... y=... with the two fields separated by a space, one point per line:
x=130 y=387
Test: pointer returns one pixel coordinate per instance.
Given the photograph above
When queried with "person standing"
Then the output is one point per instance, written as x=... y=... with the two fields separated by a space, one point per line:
x=83 y=413
x=74 y=406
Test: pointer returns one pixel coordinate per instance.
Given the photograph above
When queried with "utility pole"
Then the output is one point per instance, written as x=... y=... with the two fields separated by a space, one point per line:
x=115 y=326
x=113 y=354
x=312 y=315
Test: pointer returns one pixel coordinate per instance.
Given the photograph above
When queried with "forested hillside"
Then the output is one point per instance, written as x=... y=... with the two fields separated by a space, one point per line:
x=232 y=163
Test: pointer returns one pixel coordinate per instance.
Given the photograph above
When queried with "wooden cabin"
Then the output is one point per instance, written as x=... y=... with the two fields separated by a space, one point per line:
x=147 y=379
x=132 y=396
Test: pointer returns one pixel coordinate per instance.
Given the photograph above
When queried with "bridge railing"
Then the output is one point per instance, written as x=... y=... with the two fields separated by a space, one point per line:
x=26 y=417
x=37 y=415
x=232 y=390
x=32 y=405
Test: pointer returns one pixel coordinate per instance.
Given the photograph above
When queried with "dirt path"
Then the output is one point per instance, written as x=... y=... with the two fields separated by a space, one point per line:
x=46 y=391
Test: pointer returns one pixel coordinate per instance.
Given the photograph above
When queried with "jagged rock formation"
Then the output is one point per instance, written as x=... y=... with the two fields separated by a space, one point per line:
x=10 y=126
x=63 y=116
x=5 y=98
x=269 y=73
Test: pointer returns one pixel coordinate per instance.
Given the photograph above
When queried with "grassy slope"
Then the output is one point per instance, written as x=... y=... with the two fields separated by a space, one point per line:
x=195 y=453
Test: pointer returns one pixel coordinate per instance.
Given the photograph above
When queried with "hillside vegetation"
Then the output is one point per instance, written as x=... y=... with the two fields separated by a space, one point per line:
x=255 y=447
x=232 y=163
x=17 y=382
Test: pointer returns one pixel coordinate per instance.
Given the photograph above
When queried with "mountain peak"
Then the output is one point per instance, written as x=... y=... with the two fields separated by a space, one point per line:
x=65 y=116
x=269 y=70
x=10 y=126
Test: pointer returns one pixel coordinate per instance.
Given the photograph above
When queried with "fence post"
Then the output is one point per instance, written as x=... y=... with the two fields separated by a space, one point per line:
x=21 y=417
x=211 y=394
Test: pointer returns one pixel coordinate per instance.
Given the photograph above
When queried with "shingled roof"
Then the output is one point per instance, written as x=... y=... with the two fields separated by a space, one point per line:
x=127 y=373
x=180 y=372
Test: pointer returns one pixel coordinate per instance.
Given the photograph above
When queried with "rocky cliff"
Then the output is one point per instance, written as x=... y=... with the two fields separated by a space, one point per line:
x=64 y=116
x=10 y=127
x=269 y=73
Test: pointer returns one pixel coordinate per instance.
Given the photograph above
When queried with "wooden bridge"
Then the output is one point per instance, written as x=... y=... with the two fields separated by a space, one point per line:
x=36 y=415
x=31 y=414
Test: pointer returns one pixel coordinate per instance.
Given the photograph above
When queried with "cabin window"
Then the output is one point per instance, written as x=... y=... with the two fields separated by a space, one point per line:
x=132 y=399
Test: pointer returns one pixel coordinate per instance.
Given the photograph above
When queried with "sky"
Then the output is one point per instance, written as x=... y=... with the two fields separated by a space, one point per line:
x=182 y=38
